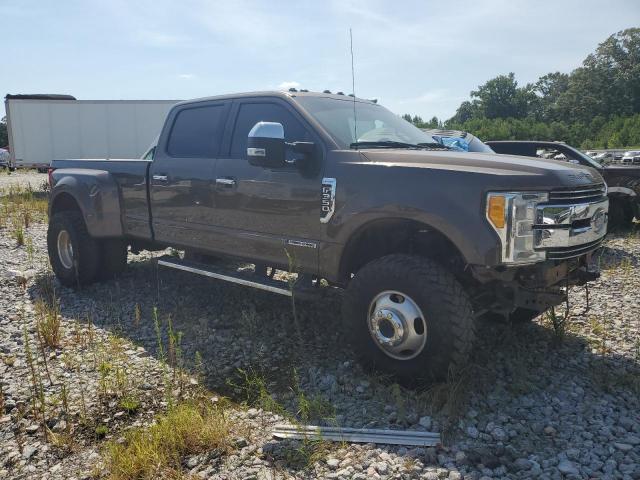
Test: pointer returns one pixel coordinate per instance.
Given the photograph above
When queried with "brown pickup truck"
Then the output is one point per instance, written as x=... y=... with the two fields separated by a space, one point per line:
x=422 y=239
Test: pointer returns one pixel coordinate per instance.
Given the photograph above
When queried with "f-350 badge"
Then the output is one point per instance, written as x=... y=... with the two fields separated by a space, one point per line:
x=328 y=199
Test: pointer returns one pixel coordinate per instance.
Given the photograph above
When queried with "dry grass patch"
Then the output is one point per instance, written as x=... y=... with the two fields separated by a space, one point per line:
x=20 y=206
x=49 y=323
x=158 y=451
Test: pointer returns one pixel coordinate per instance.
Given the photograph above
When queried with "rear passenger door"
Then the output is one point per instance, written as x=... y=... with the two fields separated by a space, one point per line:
x=267 y=213
x=182 y=173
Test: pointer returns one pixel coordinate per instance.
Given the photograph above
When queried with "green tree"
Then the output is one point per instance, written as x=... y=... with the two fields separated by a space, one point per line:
x=548 y=89
x=466 y=111
x=501 y=97
x=4 y=136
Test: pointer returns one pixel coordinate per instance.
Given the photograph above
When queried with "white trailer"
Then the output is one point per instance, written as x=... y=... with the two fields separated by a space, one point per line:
x=46 y=127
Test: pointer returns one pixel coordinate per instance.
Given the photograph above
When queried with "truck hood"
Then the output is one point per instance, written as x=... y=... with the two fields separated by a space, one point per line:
x=511 y=170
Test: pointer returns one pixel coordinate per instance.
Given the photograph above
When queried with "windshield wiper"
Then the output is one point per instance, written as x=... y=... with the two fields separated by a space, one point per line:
x=393 y=144
x=383 y=144
x=434 y=145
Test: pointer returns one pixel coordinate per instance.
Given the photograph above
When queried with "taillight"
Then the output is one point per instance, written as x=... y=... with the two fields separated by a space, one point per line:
x=50 y=173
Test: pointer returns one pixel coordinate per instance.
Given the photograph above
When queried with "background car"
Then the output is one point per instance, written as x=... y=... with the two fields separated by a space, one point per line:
x=4 y=158
x=631 y=157
x=604 y=158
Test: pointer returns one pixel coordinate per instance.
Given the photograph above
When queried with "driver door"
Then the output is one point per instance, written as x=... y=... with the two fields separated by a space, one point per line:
x=270 y=214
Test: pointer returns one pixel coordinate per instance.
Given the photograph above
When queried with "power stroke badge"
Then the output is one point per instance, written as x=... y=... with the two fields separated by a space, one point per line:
x=327 y=199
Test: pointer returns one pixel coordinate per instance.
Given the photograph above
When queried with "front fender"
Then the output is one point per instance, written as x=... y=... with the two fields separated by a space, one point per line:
x=97 y=195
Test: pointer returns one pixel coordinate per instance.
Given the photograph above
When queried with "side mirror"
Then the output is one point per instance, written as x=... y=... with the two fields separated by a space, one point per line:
x=265 y=145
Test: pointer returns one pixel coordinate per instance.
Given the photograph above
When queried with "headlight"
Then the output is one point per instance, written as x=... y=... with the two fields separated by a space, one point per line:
x=512 y=215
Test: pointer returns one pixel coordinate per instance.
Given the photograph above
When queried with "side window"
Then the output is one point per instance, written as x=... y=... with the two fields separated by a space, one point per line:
x=251 y=113
x=196 y=132
x=149 y=154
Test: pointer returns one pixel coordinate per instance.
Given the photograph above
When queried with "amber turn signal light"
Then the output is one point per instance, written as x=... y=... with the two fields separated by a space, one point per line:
x=496 y=210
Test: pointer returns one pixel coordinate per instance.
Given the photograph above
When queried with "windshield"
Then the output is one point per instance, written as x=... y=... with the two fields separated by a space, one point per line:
x=374 y=122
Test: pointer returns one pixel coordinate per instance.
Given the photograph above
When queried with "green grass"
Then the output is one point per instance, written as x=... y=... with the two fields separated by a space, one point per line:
x=157 y=451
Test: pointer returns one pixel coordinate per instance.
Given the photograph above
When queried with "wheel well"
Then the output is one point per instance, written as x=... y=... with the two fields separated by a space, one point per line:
x=384 y=237
x=64 y=202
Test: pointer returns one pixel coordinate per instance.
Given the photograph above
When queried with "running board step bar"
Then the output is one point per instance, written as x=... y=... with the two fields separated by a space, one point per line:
x=357 y=435
x=248 y=280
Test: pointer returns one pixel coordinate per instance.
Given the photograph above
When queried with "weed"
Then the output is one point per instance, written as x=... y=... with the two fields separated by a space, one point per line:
x=450 y=397
x=302 y=455
x=254 y=388
x=104 y=369
x=137 y=314
x=558 y=322
x=399 y=401
x=30 y=251
x=9 y=360
x=48 y=323
x=157 y=451
x=18 y=234
x=129 y=404
x=38 y=401
x=291 y=280
x=101 y=431
x=311 y=408
x=62 y=440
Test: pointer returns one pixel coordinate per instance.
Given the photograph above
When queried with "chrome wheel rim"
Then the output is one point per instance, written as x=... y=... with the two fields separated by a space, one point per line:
x=65 y=249
x=397 y=325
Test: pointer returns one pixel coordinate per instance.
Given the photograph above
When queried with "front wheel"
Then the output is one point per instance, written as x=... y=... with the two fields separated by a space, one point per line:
x=73 y=253
x=408 y=316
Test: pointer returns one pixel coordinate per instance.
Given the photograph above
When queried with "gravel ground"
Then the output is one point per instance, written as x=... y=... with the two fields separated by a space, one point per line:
x=22 y=177
x=535 y=403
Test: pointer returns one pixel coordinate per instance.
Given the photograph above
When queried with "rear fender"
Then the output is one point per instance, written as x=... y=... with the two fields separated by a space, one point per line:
x=97 y=196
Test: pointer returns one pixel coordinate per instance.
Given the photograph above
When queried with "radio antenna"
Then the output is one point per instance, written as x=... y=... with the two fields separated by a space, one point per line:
x=353 y=90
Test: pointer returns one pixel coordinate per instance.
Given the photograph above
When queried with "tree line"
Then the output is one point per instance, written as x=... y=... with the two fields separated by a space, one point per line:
x=597 y=105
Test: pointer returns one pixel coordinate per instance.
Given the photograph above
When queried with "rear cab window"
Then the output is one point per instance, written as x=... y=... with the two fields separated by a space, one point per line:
x=197 y=131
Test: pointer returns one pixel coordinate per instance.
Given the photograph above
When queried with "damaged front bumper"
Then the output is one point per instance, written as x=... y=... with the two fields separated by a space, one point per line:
x=535 y=287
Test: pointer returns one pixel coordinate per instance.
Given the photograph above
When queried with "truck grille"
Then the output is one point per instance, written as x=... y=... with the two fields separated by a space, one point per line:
x=584 y=194
x=571 y=252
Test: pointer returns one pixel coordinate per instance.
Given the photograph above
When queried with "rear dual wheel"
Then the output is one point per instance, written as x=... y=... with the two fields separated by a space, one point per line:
x=76 y=257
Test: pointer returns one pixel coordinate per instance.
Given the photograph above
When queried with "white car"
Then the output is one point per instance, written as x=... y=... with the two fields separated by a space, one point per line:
x=604 y=158
x=632 y=157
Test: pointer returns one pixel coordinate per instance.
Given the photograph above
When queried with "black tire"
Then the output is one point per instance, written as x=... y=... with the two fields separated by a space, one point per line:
x=86 y=253
x=113 y=258
x=621 y=213
x=523 y=315
x=445 y=305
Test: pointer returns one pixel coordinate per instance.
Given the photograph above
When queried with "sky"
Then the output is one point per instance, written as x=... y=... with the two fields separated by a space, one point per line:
x=418 y=57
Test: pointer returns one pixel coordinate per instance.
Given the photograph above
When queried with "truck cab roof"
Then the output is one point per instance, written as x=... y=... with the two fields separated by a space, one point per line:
x=285 y=94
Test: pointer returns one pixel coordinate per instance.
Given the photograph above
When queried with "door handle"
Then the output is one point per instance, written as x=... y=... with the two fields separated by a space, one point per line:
x=229 y=182
x=160 y=178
